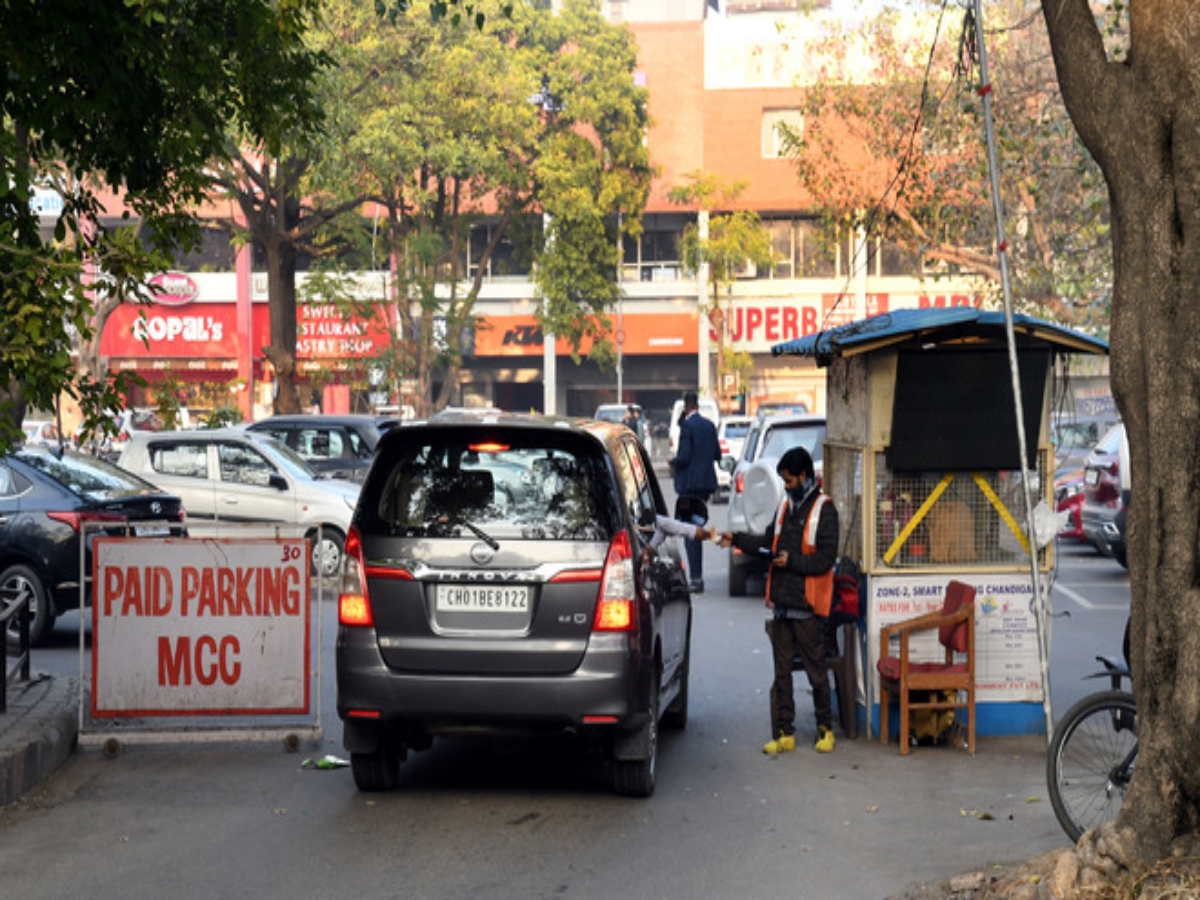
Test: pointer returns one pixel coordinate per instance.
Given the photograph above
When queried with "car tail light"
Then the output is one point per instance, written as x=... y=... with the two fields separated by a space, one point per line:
x=76 y=519
x=354 y=606
x=739 y=482
x=616 y=609
x=724 y=447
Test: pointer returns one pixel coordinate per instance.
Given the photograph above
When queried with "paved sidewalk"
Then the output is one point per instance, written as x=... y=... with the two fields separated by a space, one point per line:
x=37 y=732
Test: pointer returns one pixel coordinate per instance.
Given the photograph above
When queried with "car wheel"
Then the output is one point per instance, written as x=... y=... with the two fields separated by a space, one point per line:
x=636 y=777
x=377 y=771
x=327 y=557
x=737 y=578
x=17 y=583
x=1120 y=555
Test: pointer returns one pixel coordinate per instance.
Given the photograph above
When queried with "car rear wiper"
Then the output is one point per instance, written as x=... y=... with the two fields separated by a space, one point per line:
x=483 y=535
x=478 y=532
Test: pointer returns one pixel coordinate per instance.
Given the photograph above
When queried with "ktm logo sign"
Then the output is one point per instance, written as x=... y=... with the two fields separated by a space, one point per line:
x=524 y=336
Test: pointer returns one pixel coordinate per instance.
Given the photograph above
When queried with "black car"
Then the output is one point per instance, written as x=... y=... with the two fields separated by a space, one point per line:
x=466 y=610
x=46 y=498
x=337 y=446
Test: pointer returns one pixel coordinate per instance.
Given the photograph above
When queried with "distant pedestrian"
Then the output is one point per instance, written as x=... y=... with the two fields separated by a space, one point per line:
x=695 y=479
x=639 y=424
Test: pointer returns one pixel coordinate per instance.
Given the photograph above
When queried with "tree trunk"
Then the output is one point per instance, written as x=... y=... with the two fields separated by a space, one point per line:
x=281 y=353
x=1139 y=119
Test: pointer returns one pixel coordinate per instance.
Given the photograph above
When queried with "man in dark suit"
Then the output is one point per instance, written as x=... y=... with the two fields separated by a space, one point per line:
x=695 y=479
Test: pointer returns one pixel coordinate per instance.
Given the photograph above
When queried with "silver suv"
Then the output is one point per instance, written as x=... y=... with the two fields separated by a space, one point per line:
x=757 y=490
x=468 y=608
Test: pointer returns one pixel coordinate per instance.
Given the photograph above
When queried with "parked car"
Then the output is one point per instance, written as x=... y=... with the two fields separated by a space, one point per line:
x=46 y=498
x=235 y=475
x=732 y=433
x=757 y=488
x=1068 y=498
x=1106 y=492
x=40 y=434
x=340 y=446
x=613 y=412
x=460 y=613
x=1074 y=437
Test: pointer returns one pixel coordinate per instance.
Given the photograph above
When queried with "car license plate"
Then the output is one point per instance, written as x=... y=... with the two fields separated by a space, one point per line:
x=152 y=530
x=497 y=598
x=1091 y=476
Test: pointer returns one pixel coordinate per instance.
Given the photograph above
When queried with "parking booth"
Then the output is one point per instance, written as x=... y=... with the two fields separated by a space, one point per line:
x=922 y=458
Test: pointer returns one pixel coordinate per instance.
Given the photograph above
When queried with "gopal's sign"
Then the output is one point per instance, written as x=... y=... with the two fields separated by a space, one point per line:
x=200 y=627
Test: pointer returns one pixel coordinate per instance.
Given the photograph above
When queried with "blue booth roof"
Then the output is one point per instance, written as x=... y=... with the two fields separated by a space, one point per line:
x=957 y=323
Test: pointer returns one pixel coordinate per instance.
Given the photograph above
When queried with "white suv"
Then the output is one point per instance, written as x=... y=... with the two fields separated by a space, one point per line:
x=757 y=489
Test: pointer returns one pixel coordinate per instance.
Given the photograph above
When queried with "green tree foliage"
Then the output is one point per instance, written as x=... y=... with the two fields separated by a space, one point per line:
x=527 y=123
x=898 y=151
x=128 y=97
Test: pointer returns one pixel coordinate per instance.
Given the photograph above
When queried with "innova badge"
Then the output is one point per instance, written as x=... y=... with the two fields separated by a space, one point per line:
x=481 y=554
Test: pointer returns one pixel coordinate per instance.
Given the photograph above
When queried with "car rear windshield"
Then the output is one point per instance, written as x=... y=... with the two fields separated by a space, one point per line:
x=783 y=438
x=513 y=484
x=84 y=476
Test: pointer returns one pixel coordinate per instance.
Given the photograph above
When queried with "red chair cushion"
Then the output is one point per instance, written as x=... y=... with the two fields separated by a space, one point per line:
x=955 y=636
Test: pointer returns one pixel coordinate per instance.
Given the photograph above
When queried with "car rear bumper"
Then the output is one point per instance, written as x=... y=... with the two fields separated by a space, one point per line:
x=608 y=687
x=1099 y=525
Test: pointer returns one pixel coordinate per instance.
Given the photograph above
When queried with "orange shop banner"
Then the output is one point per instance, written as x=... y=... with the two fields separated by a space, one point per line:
x=644 y=334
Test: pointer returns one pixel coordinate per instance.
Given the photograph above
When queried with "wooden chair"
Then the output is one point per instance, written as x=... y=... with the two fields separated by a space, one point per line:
x=900 y=676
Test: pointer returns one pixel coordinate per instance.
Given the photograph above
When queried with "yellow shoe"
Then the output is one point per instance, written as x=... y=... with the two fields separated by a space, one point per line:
x=785 y=743
x=824 y=742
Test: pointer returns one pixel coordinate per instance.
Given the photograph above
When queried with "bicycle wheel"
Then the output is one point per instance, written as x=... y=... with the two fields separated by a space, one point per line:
x=1091 y=760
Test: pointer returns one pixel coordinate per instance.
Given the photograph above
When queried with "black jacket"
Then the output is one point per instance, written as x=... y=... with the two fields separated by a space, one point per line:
x=787 y=585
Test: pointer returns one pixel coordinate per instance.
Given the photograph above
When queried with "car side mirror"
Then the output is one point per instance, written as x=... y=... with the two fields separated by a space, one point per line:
x=277 y=481
x=728 y=463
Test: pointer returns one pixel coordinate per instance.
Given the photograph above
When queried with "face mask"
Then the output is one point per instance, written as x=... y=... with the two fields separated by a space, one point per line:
x=797 y=493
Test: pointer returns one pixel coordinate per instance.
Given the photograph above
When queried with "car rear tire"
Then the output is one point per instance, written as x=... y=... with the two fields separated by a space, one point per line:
x=737 y=579
x=18 y=582
x=327 y=557
x=376 y=772
x=636 y=777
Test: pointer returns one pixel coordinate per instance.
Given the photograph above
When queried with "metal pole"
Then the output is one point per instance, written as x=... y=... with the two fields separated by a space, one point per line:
x=1039 y=602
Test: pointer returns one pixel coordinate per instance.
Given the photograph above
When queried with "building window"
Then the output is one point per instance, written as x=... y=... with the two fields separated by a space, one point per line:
x=801 y=250
x=775 y=125
x=655 y=255
x=505 y=263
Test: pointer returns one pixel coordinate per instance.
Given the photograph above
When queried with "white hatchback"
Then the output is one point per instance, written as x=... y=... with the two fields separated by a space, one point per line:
x=237 y=476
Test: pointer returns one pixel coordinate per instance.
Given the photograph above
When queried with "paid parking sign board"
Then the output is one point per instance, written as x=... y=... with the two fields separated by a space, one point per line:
x=200 y=627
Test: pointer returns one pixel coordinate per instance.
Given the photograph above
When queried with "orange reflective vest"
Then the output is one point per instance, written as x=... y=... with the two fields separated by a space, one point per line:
x=818 y=589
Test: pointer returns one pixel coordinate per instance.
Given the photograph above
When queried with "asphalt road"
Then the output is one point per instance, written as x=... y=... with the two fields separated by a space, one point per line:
x=472 y=819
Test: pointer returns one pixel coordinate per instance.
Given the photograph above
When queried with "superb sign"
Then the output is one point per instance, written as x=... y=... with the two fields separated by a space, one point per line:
x=200 y=627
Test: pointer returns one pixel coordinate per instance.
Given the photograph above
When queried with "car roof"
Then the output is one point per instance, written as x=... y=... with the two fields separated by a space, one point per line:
x=322 y=419
x=205 y=434
x=792 y=419
x=533 y=421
